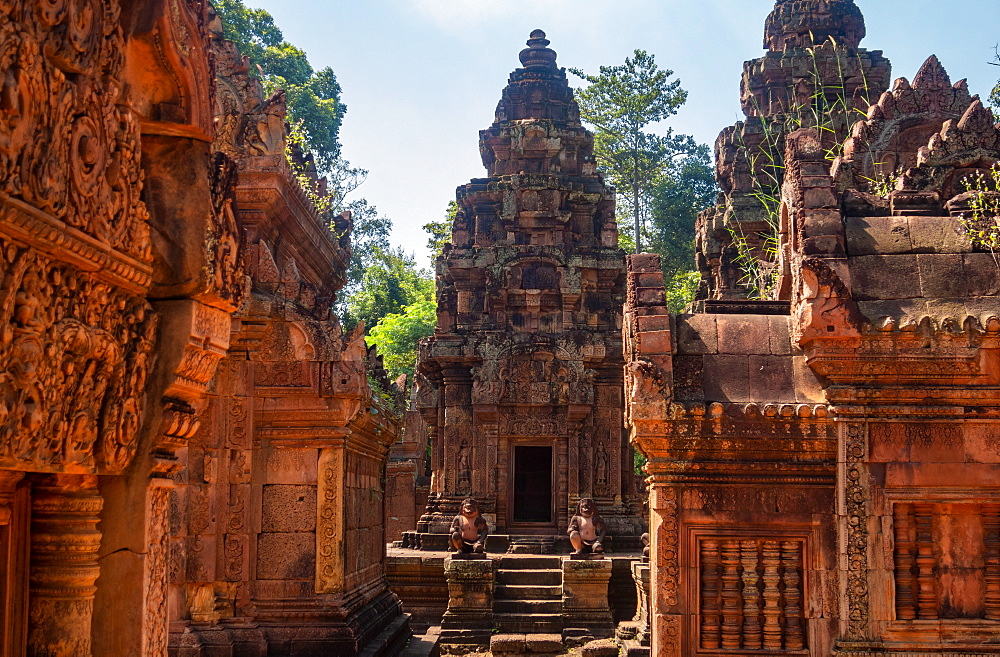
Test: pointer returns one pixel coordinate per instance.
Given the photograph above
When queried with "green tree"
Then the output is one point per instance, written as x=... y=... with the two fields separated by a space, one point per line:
x=686 y=187
x=397 y=335
x=390 y=282
x=440 y=231
x=622 y=103
x=313 y=96
x=369 y=242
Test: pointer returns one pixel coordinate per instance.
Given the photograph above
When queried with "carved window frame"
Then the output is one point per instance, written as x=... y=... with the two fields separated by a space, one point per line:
x=695 y=533
x=972 y=630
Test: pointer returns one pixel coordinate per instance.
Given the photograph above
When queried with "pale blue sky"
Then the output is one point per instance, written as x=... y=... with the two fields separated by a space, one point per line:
x=422 y=77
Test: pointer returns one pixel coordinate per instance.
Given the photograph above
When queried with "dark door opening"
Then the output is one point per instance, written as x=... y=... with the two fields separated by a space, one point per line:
x=532 y=484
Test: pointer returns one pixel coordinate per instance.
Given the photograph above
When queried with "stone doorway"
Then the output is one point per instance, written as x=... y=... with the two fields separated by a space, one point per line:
x=531 y=498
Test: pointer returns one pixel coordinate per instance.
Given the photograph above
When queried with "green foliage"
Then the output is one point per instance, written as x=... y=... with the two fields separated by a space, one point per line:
x=440 y=231
x=396 y=336
x=390 y=283
x=681 y=288
x=685 y=188
x=313 y=96
x=983 y=227
x=369 y=241
x=622 y=103
x=295 y=146
x=638 y=463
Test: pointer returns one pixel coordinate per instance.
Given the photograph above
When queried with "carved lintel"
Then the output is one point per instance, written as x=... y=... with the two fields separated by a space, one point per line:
x=74 y=358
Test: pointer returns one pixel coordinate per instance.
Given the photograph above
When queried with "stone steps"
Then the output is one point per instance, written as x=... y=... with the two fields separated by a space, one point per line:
x=527 y=607
x=530 y=577
x=528 y=623
x=527 y=592
x=530 y=563
x=528 y=595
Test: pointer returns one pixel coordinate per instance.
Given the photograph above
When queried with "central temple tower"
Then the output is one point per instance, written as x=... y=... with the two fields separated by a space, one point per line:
x=521 y=384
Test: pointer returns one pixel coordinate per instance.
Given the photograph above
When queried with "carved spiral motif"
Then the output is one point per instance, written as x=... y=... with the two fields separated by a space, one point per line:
x=50 y=12
x=89 y=158
x=84 y=26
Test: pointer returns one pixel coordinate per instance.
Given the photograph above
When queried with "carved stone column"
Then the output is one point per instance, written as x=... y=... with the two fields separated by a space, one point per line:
x=64 y=568
x=13 y=562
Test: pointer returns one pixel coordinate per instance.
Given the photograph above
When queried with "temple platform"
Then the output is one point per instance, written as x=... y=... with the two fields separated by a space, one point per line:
x=418 y=578
x=514 y=543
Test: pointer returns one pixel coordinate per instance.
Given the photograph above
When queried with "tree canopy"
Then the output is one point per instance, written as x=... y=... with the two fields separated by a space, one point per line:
x=440 y=231
x=622 y=103
x=313 y=96
x=398 y=335
x=389 y=283
x=666 y=178
x=685 y=187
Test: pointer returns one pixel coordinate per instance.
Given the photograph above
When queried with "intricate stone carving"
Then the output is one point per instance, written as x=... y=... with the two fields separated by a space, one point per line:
x=75 y=367
x=158 y=531
x=64 y=546
x=856 y=516
x=329 y=523
x=669 y=566
x=70 y=148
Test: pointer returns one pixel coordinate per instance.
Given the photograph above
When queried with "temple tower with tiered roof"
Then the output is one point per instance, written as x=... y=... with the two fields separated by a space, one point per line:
x=521 y=384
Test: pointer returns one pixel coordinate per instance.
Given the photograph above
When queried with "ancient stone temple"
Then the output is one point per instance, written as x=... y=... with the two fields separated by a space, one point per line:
x=814 y=74
x=150 y=222
x=521 y=386
x=279 y=542
x=824 y=462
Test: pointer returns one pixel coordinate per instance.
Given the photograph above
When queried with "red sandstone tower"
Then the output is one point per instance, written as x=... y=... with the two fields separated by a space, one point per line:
x=814 y=74
x=521 y=385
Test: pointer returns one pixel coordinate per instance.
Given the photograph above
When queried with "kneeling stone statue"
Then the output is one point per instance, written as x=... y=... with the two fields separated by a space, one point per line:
x=586 y=529
x=469 y=529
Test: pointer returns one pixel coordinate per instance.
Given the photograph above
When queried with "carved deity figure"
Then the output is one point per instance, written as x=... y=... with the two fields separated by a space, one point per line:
x=464 y=469
x=601 y=466
x=586 y=529
x=469 y=529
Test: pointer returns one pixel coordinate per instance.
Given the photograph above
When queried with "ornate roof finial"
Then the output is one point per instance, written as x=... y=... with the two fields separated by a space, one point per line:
x=538 y=54
x=807 y=23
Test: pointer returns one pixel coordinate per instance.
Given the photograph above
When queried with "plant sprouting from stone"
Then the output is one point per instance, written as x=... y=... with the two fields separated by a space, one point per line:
x=982 y=223
x=833 y=112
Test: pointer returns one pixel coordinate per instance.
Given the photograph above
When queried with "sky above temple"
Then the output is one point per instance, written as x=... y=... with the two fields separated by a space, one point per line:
x=422 y=77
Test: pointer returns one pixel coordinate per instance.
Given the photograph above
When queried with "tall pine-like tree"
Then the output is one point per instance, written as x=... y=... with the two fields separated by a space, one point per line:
x=623 y=103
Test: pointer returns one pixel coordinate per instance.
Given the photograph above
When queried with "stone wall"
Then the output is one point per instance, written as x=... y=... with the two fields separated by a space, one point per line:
x=135 y=228
x=822 y=460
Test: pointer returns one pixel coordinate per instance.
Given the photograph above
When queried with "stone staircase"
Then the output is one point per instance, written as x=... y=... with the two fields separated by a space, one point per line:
x=528 y=595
